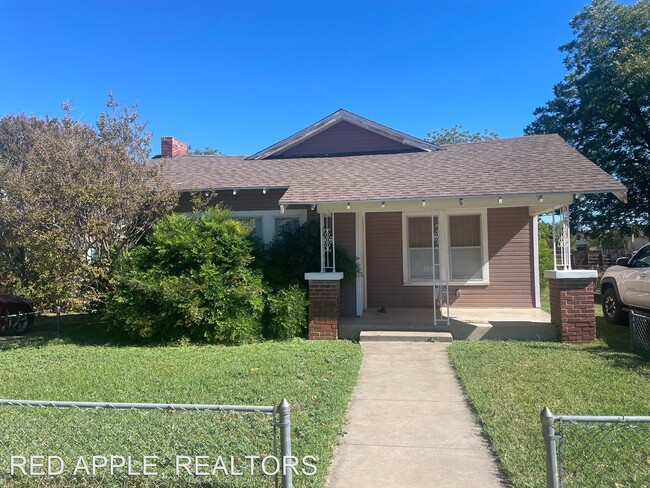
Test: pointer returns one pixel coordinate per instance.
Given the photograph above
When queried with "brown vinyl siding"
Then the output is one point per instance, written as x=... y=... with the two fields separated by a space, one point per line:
x=344 y=138
x=246 y=200
x=510 y=264
x=509 y=244
x=384 y=274
x=344 y=228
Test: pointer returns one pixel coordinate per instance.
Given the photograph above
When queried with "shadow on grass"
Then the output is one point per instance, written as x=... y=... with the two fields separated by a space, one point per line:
x=613 y=345
x=81 y=330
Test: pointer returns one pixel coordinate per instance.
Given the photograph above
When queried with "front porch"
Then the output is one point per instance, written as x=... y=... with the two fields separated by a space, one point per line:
x=465 y=323
x=479 y=265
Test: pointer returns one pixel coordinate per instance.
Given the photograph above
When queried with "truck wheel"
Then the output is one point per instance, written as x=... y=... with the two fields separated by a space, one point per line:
x=19 y=325
x=612 y=307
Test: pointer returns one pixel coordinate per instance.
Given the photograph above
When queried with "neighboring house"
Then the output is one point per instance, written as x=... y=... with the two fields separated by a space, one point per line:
x=461 y=217
x=634 y=243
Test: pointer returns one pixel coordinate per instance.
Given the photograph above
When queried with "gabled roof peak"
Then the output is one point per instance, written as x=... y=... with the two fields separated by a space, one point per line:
x=342 y=115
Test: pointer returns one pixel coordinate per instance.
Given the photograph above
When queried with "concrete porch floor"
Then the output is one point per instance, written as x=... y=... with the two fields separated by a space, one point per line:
x=465 y=323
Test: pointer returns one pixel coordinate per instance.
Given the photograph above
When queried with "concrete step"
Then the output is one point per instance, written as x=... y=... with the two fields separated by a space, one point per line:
x=399 y=336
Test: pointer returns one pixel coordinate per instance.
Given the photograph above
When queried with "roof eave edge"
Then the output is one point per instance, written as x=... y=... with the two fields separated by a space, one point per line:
x=618 y=193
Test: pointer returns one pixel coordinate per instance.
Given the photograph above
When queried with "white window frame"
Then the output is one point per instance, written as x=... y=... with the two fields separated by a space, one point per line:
x=444 y=250
x=268 y=219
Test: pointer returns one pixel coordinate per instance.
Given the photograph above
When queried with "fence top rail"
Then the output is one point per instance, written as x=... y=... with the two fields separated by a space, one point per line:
x=639 y=313
x=607 y=419
x=139 y=406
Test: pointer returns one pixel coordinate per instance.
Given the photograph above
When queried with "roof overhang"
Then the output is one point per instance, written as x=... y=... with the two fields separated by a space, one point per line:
x=621 y=195
x=537 y=203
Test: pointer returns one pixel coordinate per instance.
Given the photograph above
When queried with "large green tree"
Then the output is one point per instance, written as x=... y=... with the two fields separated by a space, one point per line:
x=602 y=107
x=73 y=198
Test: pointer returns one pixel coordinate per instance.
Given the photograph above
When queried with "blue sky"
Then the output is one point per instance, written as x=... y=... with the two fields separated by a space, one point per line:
x=240 y=75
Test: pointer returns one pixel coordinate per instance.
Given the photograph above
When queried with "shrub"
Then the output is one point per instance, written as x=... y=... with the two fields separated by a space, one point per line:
x=296 y=251
x=191 y=279
x=286 y=313
x=283 y=263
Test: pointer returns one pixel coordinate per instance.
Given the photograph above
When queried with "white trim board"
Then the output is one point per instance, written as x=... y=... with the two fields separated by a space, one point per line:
x=535 y=236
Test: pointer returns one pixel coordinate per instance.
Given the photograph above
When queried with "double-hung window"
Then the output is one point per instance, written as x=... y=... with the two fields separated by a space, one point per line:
x=268 y=224
x=465 y=248
x=420 y=243
x=455 y=243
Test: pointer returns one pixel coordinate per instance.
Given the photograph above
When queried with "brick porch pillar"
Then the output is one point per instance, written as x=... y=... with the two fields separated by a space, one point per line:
x=572 y=304
x=324 y=305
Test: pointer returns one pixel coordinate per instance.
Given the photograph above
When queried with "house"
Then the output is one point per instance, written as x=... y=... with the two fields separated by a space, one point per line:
x=454 y=226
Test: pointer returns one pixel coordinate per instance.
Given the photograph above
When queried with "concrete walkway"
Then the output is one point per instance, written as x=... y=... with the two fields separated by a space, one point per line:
x=409 y=424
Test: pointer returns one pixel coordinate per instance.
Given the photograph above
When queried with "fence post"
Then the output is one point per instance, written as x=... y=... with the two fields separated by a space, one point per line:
x=285 y=441
x=58 y=320
x=548 y=430
x=632 y=331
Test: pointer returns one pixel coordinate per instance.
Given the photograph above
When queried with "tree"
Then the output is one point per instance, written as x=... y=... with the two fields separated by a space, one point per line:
x=456 y=135
x=74 y=197
x=602 y=108
x=206 y=151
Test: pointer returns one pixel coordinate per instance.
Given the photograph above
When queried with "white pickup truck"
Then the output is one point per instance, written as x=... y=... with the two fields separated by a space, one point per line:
x=626 y=286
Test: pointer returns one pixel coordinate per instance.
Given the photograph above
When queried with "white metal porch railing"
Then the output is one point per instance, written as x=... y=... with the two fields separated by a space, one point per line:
x=561 y=239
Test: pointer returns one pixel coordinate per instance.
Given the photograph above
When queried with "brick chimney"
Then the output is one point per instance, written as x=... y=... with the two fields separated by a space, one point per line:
x=170 y=147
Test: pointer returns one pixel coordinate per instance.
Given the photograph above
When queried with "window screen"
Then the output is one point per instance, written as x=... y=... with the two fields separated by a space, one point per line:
x=420 y=259
x=465 y=249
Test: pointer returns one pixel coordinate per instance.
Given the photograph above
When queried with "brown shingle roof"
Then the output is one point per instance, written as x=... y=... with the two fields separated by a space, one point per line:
x=517 y=166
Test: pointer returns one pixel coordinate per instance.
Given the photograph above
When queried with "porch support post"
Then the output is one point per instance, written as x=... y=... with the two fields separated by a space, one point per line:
x=538 y=298
x=359 y=252
x=322 y=243
x=327 y=243
x=333 y=243
x=324 y=304
x=563 y=241
x=572 y=304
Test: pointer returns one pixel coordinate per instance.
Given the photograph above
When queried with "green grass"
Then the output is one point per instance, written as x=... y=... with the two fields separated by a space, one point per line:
x=508 y=384
x=87 y=364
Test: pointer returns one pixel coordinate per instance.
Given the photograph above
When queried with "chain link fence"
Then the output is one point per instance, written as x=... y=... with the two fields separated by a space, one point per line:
x=585 y=451
x=640 y=332
x=63 y=444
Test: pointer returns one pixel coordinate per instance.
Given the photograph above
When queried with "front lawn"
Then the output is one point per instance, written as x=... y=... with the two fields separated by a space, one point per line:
x=86 y=364
x=508 y=384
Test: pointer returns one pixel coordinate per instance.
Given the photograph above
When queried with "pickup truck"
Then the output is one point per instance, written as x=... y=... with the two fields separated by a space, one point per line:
x=626 y=286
